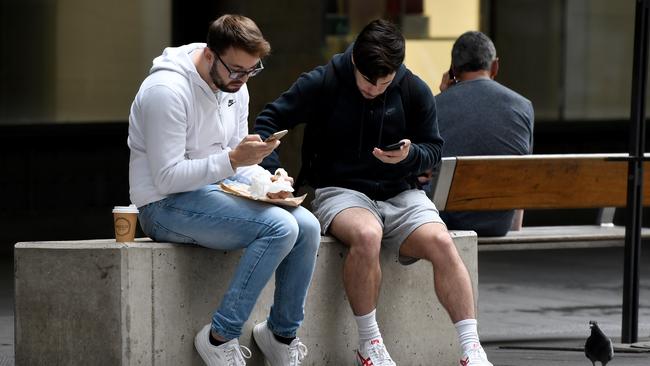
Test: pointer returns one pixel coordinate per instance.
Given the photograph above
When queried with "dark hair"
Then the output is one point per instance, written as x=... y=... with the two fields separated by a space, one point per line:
x=237 y=31
x=378 y=50
x=472 y=51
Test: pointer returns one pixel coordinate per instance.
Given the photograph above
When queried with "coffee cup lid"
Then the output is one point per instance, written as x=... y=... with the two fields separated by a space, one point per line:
x=125 y=209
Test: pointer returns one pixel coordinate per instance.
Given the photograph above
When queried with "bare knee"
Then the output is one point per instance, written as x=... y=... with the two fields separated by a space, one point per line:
x=366 y=242
x=443 y=249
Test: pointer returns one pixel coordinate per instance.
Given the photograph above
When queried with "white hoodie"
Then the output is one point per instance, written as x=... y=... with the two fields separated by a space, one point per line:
x=180 y=131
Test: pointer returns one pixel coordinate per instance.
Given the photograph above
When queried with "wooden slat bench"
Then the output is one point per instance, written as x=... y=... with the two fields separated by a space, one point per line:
x=477 y=183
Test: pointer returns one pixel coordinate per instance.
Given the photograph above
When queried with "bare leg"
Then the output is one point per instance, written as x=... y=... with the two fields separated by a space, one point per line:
x=359 y=229
x=452 y=282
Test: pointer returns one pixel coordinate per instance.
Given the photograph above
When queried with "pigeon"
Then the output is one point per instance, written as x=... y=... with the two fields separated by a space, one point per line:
x=598 y=347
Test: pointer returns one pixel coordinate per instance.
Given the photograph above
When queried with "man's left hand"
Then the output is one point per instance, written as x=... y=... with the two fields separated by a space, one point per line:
x=394 y=156
x=425 y=177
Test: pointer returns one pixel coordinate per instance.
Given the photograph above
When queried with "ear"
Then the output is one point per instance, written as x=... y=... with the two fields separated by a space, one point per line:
x=494 y=68
x=208 y=54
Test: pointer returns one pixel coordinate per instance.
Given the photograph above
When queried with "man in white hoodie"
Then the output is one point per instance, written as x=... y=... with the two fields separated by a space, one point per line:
x=188 y=129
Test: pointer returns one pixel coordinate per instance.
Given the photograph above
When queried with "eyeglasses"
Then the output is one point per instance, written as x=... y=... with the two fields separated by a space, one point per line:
x=235 y=75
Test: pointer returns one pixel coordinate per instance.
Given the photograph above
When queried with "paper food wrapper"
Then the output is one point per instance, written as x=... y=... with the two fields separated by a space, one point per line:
x=243 y=190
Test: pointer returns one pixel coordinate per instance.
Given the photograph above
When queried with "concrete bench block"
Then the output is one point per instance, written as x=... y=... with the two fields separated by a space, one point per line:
x=98 y=302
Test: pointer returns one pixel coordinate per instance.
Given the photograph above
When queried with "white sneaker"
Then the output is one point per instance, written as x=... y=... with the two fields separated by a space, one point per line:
x=227 y=354
x=373 y=353
x=475 y=357
x=275 y=352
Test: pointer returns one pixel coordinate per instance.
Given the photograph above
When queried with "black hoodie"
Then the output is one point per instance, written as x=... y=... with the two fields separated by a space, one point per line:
x=342 y=128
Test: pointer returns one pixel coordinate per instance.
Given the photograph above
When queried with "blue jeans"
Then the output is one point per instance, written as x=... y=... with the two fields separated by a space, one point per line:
x=277 y=239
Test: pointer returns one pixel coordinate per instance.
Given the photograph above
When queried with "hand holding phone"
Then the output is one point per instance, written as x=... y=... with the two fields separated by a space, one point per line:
x=448 y=79
x=394 y=146
x=393 y=153
x=251 y=150
x=276 y=136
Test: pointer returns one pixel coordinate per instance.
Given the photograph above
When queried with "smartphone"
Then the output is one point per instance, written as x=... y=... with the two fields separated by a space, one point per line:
x=452 y=77
x=394 y=146
x=276 y=136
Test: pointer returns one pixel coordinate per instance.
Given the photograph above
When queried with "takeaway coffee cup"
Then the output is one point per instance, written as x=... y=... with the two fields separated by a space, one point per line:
x=125 y=219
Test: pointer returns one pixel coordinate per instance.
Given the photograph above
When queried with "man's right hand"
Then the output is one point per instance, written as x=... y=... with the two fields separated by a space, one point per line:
x=251 y=150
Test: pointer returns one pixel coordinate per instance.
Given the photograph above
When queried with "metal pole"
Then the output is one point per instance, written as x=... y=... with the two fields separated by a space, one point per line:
x=635 y=177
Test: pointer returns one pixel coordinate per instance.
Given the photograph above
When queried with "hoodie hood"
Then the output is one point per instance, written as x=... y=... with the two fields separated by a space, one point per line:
x=344 y=68
x=179 y=60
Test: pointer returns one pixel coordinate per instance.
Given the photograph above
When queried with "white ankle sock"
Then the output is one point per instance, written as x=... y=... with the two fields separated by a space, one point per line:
x=368 y=327
x=467 y=334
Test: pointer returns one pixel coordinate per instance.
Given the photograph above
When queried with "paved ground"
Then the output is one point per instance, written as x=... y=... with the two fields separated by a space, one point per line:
x=507 y=357
x=534 y=305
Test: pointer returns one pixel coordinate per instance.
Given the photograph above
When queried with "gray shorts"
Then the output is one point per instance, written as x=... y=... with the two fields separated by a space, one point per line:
x=398 y=216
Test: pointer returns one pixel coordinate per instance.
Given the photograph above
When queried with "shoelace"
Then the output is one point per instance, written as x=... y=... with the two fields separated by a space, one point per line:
x=236 y=355
x=297 y=353
x=379 y=351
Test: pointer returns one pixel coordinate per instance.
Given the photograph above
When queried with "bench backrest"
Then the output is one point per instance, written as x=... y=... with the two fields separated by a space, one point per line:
x=477 y=183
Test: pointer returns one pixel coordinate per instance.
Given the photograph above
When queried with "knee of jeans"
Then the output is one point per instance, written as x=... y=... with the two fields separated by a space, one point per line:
x=285 y=229
x=310 y=228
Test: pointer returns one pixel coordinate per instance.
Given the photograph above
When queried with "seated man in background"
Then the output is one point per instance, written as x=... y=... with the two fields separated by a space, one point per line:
x=479 y=116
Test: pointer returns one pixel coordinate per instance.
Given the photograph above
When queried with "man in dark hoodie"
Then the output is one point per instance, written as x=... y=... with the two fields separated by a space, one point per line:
x=354 y=108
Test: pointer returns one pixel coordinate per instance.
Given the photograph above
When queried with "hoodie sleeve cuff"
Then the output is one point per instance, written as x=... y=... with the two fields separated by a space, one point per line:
x=220 y=166
x=411 y=156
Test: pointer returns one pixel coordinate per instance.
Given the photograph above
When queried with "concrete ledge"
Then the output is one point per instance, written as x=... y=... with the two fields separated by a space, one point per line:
x=98 y=302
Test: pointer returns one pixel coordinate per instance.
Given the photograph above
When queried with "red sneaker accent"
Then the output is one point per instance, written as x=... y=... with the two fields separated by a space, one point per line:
x=464 y=362
x=364 y=361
